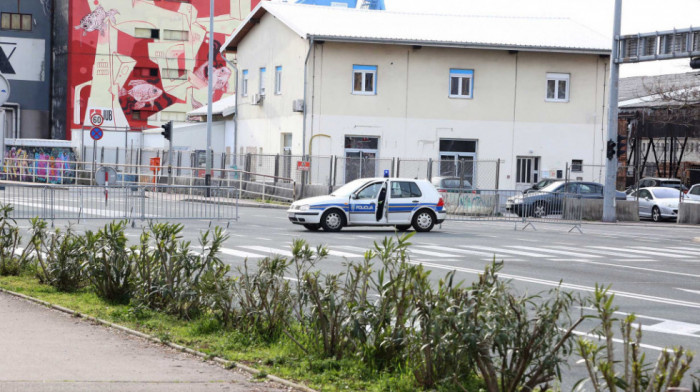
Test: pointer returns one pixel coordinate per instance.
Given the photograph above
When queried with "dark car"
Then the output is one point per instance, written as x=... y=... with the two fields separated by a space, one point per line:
x=549 y=200
x=541 y=184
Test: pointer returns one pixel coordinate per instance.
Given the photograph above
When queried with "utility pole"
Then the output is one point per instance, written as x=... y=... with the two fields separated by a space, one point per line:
x=210 y=69
x=609 y=213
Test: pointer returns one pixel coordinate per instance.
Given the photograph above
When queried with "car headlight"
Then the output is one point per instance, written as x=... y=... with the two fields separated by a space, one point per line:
x=303 y=207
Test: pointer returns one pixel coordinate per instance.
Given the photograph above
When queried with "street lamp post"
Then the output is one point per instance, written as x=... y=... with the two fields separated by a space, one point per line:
x=609 y=191
x=210 y=77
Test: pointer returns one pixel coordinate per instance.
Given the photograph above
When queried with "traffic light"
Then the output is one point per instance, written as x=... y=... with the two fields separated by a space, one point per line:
x=695 y=63
x=611 y=149
x=167 y=130
x=621 y=145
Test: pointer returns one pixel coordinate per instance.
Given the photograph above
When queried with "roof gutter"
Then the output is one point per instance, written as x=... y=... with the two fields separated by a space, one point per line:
x=306 y=65
x=443 y=44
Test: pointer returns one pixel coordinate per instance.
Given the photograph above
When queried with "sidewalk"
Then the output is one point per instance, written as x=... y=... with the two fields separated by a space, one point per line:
x=46 y=350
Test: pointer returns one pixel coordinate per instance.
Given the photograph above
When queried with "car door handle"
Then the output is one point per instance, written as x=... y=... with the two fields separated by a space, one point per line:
x=415 y=201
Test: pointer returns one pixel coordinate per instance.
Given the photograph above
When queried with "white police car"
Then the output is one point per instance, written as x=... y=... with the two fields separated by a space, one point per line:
x=373 y=202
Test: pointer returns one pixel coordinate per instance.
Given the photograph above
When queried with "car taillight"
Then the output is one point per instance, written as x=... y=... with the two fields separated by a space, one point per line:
x=441 y=202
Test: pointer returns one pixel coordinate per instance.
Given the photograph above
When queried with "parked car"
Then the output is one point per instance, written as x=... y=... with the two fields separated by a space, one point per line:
x=451 y=185
x=541 y=184
x=373 y=202
x=657 y=203
x=694 y=192
x=647 y=182
x=549 y=200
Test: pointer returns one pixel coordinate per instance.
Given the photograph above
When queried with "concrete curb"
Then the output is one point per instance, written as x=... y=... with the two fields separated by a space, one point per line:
x=226 y=364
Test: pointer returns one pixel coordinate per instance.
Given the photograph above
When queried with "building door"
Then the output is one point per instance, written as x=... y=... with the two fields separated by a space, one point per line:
x=360 y=157
x=527 y=171
x=457 y=159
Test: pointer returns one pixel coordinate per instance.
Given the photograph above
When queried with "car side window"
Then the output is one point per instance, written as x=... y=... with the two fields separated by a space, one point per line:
x=571 y=188
x=586 y=189
x=644 y=194
x=370 y=192
x=404 y=189
x=695 y=190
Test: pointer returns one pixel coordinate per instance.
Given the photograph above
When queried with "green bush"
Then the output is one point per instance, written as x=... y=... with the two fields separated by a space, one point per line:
x=108 y=263
x=10 y=262
x=58 y=256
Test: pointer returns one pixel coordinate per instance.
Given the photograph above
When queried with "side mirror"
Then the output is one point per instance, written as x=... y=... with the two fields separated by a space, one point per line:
x=353 y=196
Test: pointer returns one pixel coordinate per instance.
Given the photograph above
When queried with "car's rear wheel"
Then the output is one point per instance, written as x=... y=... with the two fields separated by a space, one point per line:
x=312 y=227
x=539 y=209
x=332 y=220
x=423 y=220
x=403 y=227
x=656 y=214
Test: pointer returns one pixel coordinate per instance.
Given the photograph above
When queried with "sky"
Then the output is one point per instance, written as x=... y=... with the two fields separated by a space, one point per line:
x=638 y=16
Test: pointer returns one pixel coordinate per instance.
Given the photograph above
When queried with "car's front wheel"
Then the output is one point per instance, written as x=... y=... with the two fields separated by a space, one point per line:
x=656 y=214
x=332 y=220
x=423 y=221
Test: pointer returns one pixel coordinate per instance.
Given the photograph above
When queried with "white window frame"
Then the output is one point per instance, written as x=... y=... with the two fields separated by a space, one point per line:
x=364 y=70
x=557 y=77
x=278 y=80
x=244 y=83
x=461 y=74
x=261 y=87
x=174 y=74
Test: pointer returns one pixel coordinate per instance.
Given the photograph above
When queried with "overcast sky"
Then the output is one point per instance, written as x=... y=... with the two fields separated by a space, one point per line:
x=638 y=16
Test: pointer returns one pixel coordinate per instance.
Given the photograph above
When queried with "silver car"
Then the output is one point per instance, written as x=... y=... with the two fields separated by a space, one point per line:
x=657 y=203
x=694 y=192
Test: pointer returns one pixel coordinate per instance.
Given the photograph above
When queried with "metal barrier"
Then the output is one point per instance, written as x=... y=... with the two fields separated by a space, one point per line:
x=515 y=206
x=136 y=202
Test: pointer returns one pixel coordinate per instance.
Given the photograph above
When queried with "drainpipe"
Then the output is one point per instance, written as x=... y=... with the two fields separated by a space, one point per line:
x=303 y=130
x=235 y=108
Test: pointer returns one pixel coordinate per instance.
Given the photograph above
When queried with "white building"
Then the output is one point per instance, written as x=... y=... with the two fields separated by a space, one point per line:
x=380 y=84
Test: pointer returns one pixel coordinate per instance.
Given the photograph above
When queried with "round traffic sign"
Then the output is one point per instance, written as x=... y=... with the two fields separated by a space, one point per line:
x=96 y=119
x=96 y=133
x=106 y=175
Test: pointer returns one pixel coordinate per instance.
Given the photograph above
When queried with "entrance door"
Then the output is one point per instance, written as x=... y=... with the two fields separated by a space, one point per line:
x=527 y=172
x=367 y=206
x=360 y=157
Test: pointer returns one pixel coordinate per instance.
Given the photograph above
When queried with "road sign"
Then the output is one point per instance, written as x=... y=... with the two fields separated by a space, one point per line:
x=96 y=119
x=303 y=165
x=106 y=175
x=96 y=133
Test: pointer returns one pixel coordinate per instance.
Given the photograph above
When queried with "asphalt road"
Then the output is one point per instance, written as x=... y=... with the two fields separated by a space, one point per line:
x=653 y=268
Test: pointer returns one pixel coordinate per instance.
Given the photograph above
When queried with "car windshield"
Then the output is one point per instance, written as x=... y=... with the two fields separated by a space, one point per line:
x=553 y=187
x=350 y=187
x=666 y=193
x=673 y=184
x=542 y=184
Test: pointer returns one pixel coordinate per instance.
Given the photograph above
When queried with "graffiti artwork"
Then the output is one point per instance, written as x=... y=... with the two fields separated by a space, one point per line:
x=49 y=165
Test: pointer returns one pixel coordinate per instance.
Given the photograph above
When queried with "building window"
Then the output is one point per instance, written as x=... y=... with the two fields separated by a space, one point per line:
x=262 y=81
x=278 y=80
x=175 y=35
x=172 y=73
x=461 y=83
x=457 y=159
x=145 y=72
x=136 y=115
x=364 y=79
x=13 y=21
x=557 y=87
x=172 y=116
x=527 y=170
x=146 y=33
x=244 y=87
x=577 y=165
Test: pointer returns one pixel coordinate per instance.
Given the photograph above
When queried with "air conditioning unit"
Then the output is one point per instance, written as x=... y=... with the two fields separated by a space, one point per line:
x=255 y=99
x=298 y=105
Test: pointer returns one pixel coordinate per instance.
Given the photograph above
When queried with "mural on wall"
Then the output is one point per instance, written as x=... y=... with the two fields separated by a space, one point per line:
x=135 y=59
x=49 y=165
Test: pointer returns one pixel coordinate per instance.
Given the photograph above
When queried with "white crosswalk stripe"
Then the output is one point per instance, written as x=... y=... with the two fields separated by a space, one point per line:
x=269 y=251
x=239 y=253
x=684 y=248
x=344 y=254
x=460 y=251
x=429 y=253
x=668 y=251
x=619 y=254
x=559 y=252
x=499 y=250
x=643 y=252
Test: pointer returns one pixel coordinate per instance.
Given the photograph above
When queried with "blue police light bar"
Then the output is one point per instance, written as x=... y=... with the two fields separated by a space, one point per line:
x=386 y=173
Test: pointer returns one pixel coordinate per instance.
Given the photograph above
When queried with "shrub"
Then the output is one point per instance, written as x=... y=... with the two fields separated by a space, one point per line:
x=10 y=262
x=108 y=263
x=58 y=257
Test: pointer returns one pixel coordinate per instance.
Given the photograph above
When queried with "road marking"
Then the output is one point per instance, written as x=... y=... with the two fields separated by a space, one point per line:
x=355 y=248
x=344 y=254
x=262 y=238
x=644 y=252
x=602 y=252
x=463 y=251
x=526 y=240
x=583 y=261
x=551 y=283
x=366 y=237
x=598 y=337
x=688 y=291
x=663 y=250
x=269 y=251
x=553 y=251
x=499 y=250
x=428 y=253
x=685 y=248
x=240 y=253
x=674 y=328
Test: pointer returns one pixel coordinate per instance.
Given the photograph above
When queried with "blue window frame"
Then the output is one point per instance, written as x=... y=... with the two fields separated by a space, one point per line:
x=278 y=80
x=364 y=79
x=461 y=83
x=262 y=81
x=244 y=83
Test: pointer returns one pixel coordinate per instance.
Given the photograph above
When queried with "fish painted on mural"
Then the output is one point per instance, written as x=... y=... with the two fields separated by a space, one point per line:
x=95 y=20
x=221 y=77
x=143 y=92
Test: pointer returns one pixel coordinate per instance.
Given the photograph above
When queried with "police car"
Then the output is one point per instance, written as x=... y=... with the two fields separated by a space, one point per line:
x=373 y=202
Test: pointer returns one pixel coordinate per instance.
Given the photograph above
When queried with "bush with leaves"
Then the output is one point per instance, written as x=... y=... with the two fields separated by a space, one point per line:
x=108 y=263
x=11 y=263
x=58 y=256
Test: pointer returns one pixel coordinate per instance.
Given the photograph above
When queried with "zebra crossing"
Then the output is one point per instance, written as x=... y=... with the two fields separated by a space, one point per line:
x=433 y=252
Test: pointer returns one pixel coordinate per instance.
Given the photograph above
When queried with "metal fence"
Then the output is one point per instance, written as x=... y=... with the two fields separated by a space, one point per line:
x=516 y=206
x=137 y=202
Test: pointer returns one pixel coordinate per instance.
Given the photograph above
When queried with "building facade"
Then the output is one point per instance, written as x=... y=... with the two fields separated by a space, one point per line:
x=359 y=84
x=25 y=60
